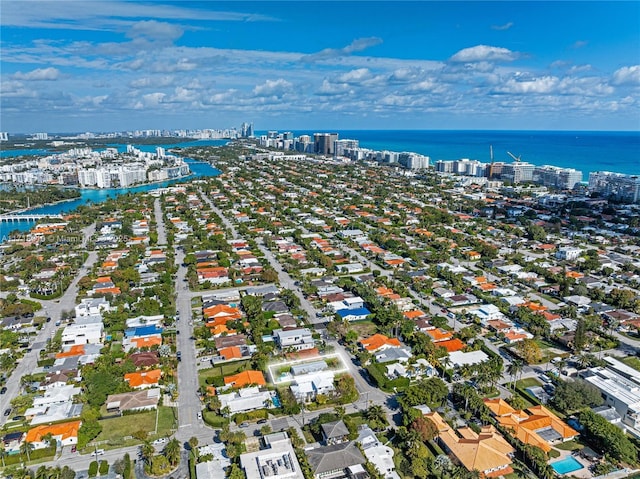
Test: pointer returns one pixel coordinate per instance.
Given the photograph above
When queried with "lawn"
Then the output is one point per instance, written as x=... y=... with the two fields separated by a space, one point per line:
x=120 y=430
x=222 y=370
x=363 y=328
x=632 y=362
x=527 y=383
x=569 y=446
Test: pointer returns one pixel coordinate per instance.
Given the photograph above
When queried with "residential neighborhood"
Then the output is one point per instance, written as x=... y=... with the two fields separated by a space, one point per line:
x=305 y=317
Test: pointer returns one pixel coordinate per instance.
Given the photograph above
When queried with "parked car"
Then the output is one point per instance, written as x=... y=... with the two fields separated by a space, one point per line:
x=3 y=390
x=7 y=411
x=244 y=424
x=262 y=421
x=159 y=441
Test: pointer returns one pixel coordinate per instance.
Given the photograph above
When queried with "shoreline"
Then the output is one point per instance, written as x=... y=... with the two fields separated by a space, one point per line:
x=52 y=203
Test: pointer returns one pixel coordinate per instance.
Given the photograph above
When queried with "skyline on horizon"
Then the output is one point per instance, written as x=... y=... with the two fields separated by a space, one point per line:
x=79 y=66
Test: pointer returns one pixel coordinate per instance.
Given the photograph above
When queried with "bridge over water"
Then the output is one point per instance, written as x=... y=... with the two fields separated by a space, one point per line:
x=27 y=217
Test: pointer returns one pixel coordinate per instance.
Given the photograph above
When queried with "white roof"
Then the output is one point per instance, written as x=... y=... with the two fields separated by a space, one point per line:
x=458 y=358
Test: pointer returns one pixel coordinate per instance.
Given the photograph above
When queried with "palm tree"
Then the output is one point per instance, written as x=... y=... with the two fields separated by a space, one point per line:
x=3 y=453
x=147 y=451
x=172 y=451
x=445 y=363
x=25 y=448
x=514 y=369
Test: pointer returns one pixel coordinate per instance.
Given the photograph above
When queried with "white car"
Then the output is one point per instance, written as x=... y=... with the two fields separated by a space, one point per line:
x=159 y=441
x=98 y=452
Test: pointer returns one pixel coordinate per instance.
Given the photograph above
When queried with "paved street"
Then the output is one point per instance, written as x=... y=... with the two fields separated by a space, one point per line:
x=160 y=227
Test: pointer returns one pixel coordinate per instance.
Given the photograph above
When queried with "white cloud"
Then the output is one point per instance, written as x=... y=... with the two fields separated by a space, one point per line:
x=155 y=31
x=627 y=76
x=273 y=87
x=39 y=74
x=150 y=100
x=506 y=26
x=481 y=53
x=358 y=45
x=355 y=76
x=152 y=82
x=329 y=88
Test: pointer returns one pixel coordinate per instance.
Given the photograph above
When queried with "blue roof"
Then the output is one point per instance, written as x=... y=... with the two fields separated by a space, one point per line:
x=353 y=312
x=143 y=331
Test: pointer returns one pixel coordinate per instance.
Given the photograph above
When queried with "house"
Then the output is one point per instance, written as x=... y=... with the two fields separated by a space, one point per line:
x=12 y=441
x=294 y=339
x=437 y=335
x=145 y=359
x=488 y=312
x=358 y=314
x=245 y=378
x=334 y=432
x=338 y=461
x=515 y=335
x=143 y=379
x=459 y=359
x=134 y=401
x=568 y=253
x=619 y=392
x=246 y=399
x=536 y=426
x=487 y=451
x=379 y=455
x=276 y=460
x=76 y=334
x=307 y=386
x=379 y=341
x=64 y=434
x=92 y=307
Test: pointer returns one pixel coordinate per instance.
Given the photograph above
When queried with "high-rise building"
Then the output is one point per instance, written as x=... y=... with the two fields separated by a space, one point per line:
x=324 y=143
x=340 y=146
x=615 y=185
x=562 y=178
x=413 y=161
x=517 y=172
x=4 y=136
x=246 y=130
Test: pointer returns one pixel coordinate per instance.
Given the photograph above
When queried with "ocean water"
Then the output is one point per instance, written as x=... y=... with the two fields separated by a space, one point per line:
x=583 y=150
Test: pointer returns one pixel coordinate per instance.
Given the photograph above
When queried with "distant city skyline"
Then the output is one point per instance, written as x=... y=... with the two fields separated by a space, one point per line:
x=73 y=66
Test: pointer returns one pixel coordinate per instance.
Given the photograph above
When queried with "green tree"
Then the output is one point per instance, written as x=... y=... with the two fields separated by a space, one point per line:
x=172 y=451
x=574 y=395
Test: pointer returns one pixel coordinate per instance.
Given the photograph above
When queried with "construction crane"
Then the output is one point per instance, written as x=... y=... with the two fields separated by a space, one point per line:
x=490 y=174
x=514 y=156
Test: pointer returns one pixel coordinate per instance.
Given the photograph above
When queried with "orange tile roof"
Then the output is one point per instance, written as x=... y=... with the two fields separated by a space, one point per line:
x=439 y=334
x=377 y=341
x=416 y=313
x=303 y=354
x=514 y=336
x=245 y=378
x=143 y=378
x=63 y=431
x=451 y=345
x=232 y=352
x=147 y=341
x=75 y=350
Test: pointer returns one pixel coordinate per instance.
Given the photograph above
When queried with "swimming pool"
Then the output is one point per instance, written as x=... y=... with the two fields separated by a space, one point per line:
x=566 y=465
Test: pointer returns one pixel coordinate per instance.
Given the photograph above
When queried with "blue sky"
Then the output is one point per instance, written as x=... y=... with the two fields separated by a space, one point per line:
x=96 y=65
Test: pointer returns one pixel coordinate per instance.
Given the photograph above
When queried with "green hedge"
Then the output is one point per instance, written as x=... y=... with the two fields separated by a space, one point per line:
x=251 y=416
x=377 y=373
x=213 y=419
x=93 y=469
x=104 y=468
x=47 y=452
